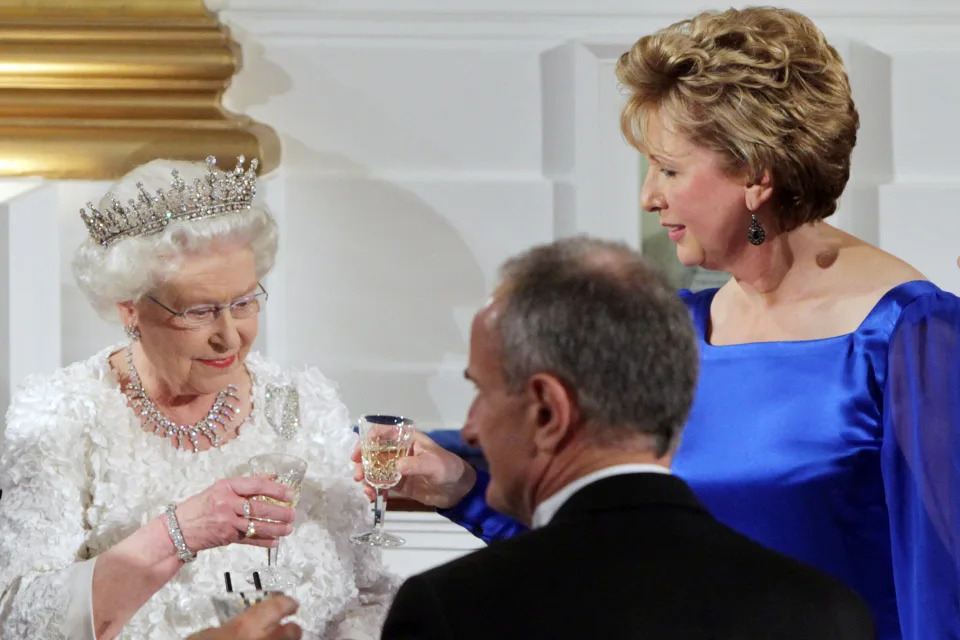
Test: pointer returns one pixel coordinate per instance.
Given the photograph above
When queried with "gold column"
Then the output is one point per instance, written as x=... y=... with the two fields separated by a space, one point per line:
x=91 y=88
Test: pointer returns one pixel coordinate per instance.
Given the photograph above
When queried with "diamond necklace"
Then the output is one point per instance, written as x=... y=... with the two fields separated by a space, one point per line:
x=222 y=409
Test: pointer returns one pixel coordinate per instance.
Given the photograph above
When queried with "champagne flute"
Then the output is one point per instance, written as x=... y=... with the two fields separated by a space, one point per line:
x=289 y=471
x=383 y=440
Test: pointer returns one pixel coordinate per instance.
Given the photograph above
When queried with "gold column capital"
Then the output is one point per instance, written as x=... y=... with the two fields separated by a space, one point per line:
x=91 y=89
x=37 y=9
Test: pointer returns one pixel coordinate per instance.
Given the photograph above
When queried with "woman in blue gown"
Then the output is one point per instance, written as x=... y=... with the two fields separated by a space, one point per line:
x=842 y=452
x=826 y=423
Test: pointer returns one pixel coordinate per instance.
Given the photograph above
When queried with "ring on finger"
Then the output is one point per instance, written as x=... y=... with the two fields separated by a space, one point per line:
x=246 y=509
x=251 y=529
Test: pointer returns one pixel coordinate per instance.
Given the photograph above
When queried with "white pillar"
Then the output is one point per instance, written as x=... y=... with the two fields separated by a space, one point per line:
x=29 y=283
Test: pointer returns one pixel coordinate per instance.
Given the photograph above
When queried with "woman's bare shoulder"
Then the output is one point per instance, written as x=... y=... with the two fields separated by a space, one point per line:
x=864 y=274
x=864 y=270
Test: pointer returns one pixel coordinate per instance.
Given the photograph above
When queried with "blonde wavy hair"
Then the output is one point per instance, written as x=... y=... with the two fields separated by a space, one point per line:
x=762 y=87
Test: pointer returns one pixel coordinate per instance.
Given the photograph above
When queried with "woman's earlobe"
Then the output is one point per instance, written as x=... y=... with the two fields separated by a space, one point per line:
x=757 y=196
x=758 y=192
x=127 y=313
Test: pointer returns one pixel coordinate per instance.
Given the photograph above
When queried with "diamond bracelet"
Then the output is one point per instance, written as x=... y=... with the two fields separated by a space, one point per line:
x=173 y=527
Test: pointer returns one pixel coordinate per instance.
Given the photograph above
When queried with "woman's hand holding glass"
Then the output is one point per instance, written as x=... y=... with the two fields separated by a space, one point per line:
x=217 y=516
x=384 y=441
x=431 y=475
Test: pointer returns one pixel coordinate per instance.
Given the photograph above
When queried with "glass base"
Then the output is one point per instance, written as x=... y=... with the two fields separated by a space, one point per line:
x=276 y=578
x=378 y=539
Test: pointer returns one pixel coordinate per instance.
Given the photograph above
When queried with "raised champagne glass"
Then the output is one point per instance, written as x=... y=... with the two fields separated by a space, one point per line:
x=289 y=471
x=383 y=440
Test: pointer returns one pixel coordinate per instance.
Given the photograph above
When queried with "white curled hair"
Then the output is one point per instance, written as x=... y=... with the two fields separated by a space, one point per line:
x=132 y=267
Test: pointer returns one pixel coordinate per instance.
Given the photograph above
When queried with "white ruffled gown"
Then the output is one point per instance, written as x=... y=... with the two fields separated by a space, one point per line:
x=79 y=474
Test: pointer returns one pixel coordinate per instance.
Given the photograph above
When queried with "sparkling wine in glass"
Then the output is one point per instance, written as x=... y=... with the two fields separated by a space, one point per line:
x=289 y=471
x=383 y=440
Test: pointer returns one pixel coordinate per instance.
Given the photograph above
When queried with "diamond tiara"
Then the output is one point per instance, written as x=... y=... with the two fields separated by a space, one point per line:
x=219 y=192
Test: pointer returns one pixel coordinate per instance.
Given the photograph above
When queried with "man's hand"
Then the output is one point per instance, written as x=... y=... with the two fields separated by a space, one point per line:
x=259 y=622
x=431 y=475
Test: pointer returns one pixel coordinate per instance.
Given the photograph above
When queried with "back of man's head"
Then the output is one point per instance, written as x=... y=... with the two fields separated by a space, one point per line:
x=603 y=320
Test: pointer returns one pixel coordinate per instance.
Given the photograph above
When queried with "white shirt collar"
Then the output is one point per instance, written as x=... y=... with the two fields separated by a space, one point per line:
x=545 y=511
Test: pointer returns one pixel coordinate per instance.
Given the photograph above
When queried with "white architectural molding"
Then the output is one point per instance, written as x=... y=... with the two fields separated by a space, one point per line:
x=919 y=223
x=29 y=282
x=577 y=9
x=417 y=30
x=273 y=340
x=431 y=540
x=383 y=277
x=597 y=175
x=872 y=165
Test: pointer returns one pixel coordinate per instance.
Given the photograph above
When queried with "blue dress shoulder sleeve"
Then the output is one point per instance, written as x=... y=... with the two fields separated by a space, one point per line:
x=920 y=463
x=473 y=514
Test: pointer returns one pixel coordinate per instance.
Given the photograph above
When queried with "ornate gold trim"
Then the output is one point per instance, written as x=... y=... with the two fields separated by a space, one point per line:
x=91 y=89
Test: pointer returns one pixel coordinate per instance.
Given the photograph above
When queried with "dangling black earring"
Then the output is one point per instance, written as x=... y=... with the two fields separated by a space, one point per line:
x=756 y=235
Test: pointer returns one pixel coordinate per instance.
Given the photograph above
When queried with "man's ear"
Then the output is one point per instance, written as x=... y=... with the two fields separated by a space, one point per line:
x=128 y=313
x=758 y=192
x=555 y=411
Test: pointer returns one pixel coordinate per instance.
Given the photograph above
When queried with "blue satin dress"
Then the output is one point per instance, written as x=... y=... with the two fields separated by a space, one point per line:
x=842 y=452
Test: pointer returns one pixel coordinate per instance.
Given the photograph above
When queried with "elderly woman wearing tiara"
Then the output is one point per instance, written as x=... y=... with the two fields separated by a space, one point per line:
x=125 y=497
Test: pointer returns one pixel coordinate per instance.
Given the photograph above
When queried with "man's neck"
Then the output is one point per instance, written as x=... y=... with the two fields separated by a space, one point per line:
x=583 y=458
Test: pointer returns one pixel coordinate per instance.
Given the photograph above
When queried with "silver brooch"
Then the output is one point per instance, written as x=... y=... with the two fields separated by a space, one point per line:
x=282 y=409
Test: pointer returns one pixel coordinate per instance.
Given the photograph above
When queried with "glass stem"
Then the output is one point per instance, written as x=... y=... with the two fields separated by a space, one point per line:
x=272 y=553
x=379 y=507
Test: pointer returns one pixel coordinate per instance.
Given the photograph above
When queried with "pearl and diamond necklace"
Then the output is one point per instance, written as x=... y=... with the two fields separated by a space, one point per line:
x=223 y=409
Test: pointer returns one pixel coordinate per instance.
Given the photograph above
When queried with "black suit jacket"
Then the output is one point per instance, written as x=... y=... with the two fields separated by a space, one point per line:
x=630 y=556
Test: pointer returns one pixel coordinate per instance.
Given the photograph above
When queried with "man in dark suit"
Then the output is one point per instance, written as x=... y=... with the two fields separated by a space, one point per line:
x=584 y=363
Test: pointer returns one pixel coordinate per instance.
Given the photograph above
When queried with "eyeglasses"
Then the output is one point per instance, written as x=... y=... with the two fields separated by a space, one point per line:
x=204 y=314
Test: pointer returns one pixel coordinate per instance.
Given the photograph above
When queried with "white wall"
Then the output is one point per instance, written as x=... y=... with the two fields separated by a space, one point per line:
x=427 y=140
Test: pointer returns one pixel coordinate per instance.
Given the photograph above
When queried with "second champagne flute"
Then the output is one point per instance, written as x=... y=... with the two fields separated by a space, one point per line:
x=383 y=440
x=289 y=471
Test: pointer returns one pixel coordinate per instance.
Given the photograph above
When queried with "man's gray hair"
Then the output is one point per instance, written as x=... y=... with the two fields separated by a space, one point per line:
x=131 y=268
x=602 y=319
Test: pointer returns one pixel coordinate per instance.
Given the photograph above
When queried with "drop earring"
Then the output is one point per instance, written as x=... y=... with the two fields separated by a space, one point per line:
x=132 y=332
x=756 y=235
